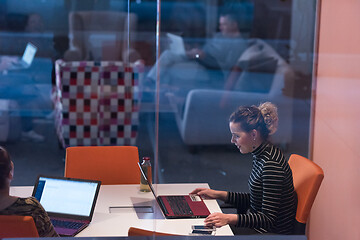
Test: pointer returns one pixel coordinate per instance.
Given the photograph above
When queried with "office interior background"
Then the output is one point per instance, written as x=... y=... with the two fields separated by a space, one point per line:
x=304 y=56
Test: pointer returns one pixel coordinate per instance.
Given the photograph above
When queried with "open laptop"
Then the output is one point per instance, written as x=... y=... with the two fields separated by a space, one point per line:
x=176 y=44
x=179 y=206
x=27 y=58
x=69 y=202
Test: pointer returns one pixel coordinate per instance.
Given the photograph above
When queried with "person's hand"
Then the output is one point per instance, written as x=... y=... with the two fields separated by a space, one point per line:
x=220 y=219
x=6 y=62
x=209 y=193
x=195 y=53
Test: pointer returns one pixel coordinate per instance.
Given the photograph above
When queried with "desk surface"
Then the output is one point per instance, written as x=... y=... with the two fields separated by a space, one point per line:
x=115 y=212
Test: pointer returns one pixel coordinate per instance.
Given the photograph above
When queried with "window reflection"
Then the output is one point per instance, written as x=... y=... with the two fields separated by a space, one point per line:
x=199 y=98
x=235 y=53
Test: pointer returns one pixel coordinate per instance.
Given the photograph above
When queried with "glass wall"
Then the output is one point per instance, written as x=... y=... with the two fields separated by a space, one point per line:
x=214 y=56
x=191 y=63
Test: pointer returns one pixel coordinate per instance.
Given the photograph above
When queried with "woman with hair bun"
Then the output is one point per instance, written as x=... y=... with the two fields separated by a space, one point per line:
x=270 y=205
x=11 y=205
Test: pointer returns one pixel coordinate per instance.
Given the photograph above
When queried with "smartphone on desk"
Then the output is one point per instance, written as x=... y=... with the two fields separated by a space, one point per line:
x=202 y=232
x=203 y=228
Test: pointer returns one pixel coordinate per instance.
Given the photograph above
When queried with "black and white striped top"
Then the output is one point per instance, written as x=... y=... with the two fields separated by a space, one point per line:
x=271 y=204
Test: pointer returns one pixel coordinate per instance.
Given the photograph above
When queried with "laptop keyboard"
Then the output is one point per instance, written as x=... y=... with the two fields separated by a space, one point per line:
x=66 y=224
x=179 y=205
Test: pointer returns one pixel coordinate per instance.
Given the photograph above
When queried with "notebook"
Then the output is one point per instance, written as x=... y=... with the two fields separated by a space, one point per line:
x=179 y=206
x=176 y=44
x=69 y=202
x=27 y=58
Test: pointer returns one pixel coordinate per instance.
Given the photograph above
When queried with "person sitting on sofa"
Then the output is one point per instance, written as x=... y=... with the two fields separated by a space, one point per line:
x=28 y=133
x=11 y=205
x=220 y=53
x=6 y=62
x=270 y=207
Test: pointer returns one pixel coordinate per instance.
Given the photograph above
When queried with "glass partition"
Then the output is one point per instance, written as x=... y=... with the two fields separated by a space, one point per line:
x=215 y=56
x=185 y=66
x=201 y=59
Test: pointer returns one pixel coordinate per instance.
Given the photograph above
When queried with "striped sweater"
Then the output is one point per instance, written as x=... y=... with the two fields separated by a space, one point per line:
x=271 y=204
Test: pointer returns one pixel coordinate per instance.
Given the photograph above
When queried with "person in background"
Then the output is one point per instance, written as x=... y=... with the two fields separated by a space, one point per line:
x=28 y=133
x=270 y=206
x=11 y=205
x=6 y=62
x=35 y=23
x=221 y=52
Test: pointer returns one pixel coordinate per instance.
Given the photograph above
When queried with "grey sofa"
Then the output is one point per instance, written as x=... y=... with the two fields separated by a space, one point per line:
x=202 y=117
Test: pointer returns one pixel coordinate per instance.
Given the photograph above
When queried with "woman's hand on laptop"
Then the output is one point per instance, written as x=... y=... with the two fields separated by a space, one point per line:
x=195 y=53
x=210 y=193
x=7 y=61
x=220 y=219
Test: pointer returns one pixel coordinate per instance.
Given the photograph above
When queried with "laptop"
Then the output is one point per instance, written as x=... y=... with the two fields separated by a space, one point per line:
x=27 y=58
x=69 y=202
x=176 y=44
x=179 y=206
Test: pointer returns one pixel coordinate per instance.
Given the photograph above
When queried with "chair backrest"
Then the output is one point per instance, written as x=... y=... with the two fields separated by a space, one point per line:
x=268 y=69
x=12 y=226
x=97 y=103
x=307 y=177
x=109 y=164
x=91 y=31
x=133 y=231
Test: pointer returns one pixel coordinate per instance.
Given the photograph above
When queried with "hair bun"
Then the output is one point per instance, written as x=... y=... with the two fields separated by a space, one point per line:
x=270 y=115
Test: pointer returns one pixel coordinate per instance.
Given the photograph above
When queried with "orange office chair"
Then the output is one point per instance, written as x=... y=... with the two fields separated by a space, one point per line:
x=307 y=177
x=133 y=231
x=109 y=164
x=13 y=226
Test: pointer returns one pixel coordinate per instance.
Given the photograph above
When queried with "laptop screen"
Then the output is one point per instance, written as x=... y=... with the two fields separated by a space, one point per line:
x=29 y=53
x=176 y=44
x=66 y=196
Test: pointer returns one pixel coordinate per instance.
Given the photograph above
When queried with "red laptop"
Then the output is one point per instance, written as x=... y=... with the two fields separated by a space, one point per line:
x=180 y=206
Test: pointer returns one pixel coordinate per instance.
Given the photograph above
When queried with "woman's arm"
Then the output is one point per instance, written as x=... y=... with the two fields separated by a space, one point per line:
x=210 y=193
x=221 y=219
x=239 y=200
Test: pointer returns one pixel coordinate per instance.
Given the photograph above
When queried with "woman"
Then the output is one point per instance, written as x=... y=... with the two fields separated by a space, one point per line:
x=270 y=206
x=11 y=205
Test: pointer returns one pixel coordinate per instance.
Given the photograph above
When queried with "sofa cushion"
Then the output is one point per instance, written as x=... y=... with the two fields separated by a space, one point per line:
x=258 y=49
x=259 y=64
x=255 y=69
x=257 y=75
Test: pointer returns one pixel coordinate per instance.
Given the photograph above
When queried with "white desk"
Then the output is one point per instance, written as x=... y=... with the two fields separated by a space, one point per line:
x=117 y=222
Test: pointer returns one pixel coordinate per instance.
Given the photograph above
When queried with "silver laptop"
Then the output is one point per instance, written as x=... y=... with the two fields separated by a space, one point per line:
x=27 y=58
x=69 y=202
x=176 y=44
